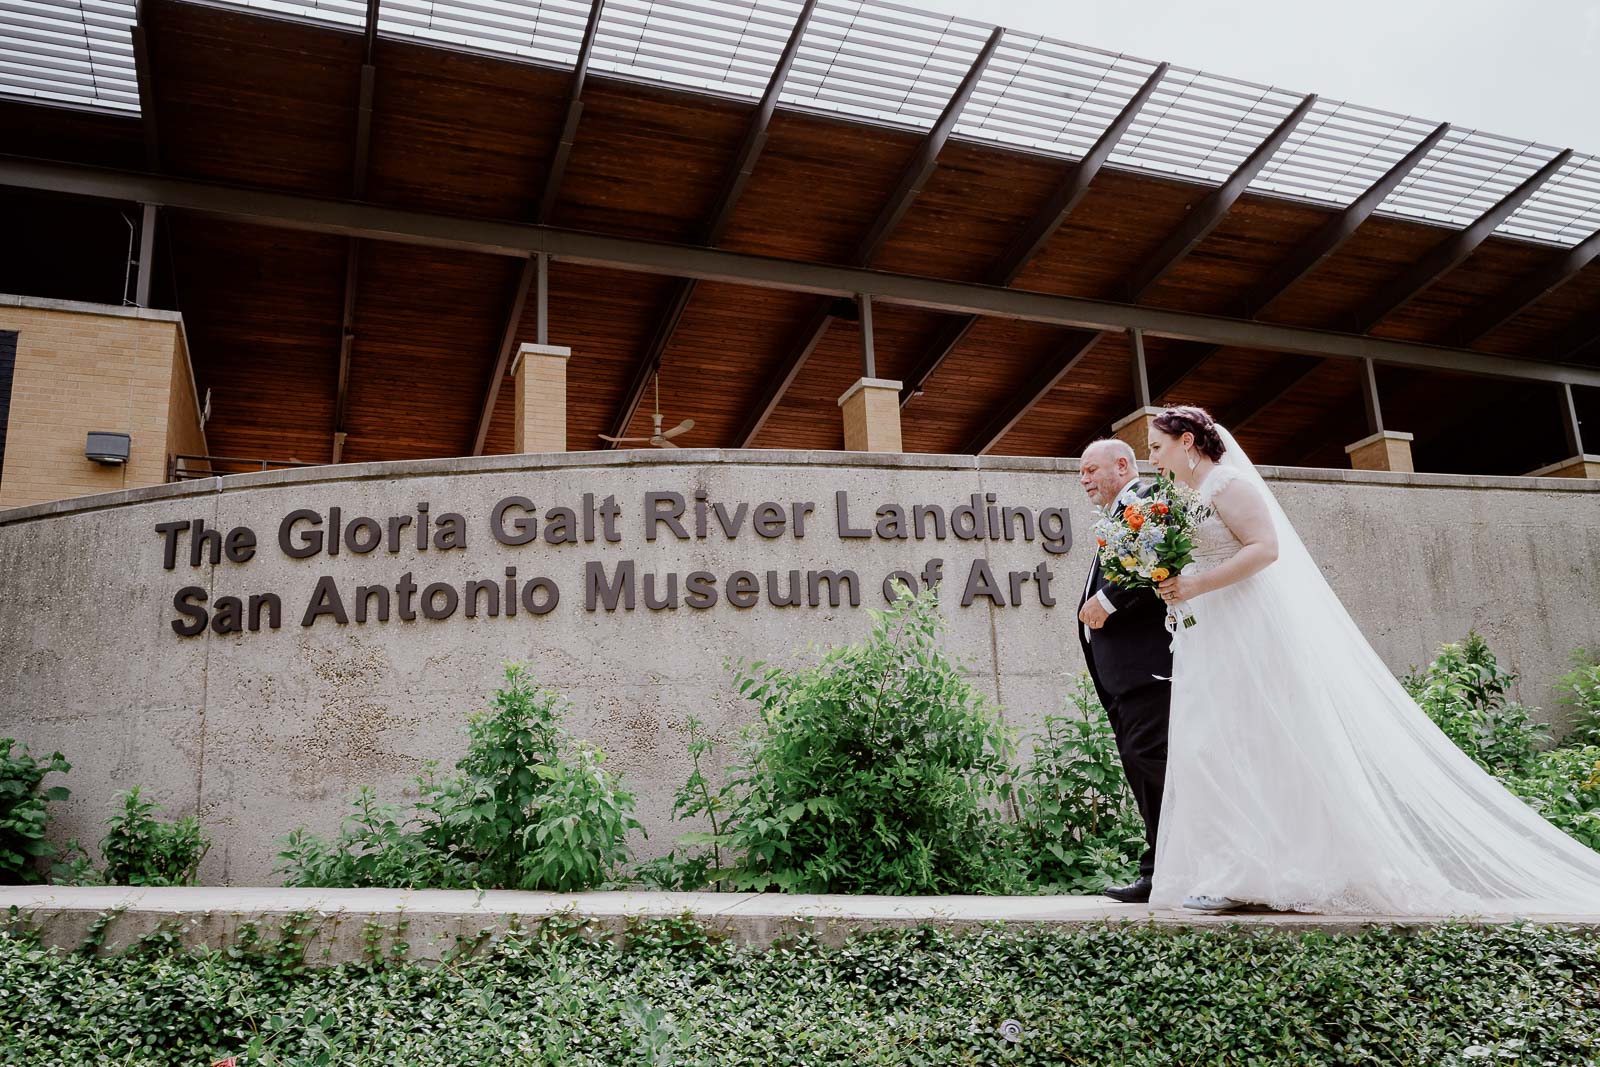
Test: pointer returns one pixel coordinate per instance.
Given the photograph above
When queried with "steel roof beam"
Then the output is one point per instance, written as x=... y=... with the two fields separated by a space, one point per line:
x=635 y=255
x=531 y=273
x=352 y=252
x=1451 y=252
x=1529 y=291
x=744 y=164
x=1209 y=213
x=1310 y=254
x=1038 y=232
x=912 y=179
x=1437 y=262
x=1195 y=227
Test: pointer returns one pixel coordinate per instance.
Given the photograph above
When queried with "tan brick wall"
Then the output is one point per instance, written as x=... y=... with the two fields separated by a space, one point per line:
x=79 y=370
x=871 y=414
x=541 y=394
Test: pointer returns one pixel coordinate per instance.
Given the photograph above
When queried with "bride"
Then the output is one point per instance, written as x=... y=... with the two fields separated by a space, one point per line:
x=1300 y=775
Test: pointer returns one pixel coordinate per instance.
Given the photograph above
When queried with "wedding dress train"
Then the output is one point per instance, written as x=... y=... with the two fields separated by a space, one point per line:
x=1302 y=776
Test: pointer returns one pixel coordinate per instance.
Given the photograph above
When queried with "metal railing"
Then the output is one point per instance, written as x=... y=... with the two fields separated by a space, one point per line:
x=182 y=466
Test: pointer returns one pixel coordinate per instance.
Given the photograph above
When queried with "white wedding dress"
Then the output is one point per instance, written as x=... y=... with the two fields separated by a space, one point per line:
x=1303 y=777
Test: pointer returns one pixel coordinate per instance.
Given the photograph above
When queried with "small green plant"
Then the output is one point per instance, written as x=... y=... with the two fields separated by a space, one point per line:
x=1564 y=787
x=881 y=769
x=1078 y=827
x=140 y=849
x=23 y=848
x=527 y=807
x=1464 y=691
x=1579 y=690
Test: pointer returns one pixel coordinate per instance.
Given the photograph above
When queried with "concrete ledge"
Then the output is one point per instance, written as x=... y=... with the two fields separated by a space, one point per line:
x=738 y=457
x=434 y=923
x=80 y=307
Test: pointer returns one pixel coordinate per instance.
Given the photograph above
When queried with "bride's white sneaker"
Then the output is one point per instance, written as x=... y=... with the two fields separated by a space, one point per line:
x=1205 y=903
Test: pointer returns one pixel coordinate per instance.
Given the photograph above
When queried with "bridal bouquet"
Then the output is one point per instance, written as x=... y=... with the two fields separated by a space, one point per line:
x=1151 y=539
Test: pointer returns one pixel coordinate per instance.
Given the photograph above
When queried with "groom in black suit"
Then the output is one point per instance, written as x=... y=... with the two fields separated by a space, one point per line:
x=1128 y=650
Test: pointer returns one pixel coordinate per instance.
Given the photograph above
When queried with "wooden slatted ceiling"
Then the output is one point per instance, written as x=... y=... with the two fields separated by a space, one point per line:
x=964 y=219
x=418 y=367
x=261 y=310
x=1532 y=332
x=266 y=102
x=994 y=359
x=81 y=136
x=725 y=345
x=1098 y=390
x=1117 y=225
x=606 y=316
x=817 y=188
x=647 y=162
x=454 y=132
x=808 y=416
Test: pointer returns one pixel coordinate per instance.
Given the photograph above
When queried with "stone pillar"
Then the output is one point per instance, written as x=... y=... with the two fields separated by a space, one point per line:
x=1135 y=430
x=1385 y=450
x=1585 y=466
x=540 y=372
x=872 y=416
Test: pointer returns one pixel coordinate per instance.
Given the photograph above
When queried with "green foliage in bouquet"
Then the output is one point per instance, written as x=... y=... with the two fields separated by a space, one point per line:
x=1464 y=692
x=527 y=808
x=23 y=818
x=1078 y=828
x=881 y=769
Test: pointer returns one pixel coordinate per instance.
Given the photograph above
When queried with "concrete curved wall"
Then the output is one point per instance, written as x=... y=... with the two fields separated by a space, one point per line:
x=260 y=731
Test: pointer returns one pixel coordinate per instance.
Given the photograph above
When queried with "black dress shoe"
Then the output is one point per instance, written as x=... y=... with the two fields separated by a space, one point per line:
x=1136 y=892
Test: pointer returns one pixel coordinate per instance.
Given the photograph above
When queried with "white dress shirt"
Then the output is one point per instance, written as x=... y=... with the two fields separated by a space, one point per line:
x=1127 y=495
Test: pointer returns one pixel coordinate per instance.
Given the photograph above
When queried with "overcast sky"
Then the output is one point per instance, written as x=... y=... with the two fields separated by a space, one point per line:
x=1522 y=68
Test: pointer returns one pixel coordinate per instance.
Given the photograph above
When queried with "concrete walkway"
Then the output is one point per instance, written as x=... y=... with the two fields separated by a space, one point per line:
x=431 y=922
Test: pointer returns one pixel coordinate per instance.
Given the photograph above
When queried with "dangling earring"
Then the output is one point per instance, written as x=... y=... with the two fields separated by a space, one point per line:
x=1193 y=463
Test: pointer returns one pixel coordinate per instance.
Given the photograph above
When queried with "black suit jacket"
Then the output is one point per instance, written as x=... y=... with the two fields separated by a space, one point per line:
x=1133 y=646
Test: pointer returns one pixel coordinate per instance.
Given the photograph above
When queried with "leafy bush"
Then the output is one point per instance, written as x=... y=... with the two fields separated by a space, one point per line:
x=1079 y=829
x=1447 y=996
x=1564 y=787
x=142 y=850
x=880 y=769
x=527 y=808
x=138 y=849
x=23 y=848
x=1580 y=691
x=1464 y=691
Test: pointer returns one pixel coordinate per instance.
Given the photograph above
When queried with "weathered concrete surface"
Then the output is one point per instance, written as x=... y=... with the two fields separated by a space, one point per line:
x=261 y=732
x=352 y=924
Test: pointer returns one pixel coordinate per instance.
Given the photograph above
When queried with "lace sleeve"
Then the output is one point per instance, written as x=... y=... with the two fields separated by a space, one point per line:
x=1219 y=479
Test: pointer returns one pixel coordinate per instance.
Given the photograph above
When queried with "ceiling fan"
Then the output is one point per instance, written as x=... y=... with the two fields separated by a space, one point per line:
x=658 y=437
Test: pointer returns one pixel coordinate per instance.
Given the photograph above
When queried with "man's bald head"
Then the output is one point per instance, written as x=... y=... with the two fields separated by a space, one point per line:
x=1105 y=468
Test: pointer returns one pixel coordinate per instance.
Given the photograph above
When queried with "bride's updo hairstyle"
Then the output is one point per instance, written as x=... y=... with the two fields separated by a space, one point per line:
x=1175 y=422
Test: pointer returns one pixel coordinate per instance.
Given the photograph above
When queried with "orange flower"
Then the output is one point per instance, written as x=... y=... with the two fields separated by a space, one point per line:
x=1133 y=516
x=1102 y=541
x=1159 y=508
x=1159 y=574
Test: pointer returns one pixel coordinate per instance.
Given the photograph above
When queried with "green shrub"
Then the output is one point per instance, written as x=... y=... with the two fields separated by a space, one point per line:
x=1079 y=829
x=1564 y=786
x=1579 y=690
x=881 y=769
x=138 y=849
x=527 y=808
x=23 y=848
x=1464 y=691
x=1441 y=996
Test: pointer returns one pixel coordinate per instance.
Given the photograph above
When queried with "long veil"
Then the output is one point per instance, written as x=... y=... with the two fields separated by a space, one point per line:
x=1408 y=808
